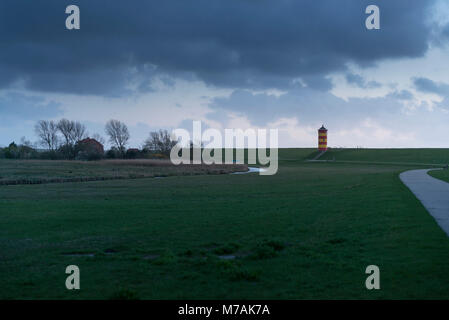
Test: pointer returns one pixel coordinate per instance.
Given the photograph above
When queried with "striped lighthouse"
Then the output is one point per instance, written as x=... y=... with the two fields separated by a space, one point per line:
x=322 y=138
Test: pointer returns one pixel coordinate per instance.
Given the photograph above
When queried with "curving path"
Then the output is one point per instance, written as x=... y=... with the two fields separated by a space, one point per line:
x=433 y=194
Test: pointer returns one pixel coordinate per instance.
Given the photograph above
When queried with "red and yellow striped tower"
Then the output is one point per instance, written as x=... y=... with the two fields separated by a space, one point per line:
x=322 y=139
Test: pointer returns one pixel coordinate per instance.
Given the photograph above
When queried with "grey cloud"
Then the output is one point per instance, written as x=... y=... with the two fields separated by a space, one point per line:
x=314 y=108
x=233 y=43
x=305 y=104
x=355 y=79
x=402 y=95
x=360 y=82
x=430 y=86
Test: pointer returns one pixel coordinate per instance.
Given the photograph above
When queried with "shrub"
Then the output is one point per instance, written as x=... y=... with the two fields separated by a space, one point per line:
x=113 y=153
x=49 y=155
x=88 y=156
x=26 y=152
x=66 y=152
x=12 y=151
x=132 y=154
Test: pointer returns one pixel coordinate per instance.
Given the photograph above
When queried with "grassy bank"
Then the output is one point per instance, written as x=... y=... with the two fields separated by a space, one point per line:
x=440 y=174
x=418 y=156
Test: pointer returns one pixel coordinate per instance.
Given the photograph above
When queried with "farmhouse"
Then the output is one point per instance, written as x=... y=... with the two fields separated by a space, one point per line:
x=89 y=149
x=90 y=145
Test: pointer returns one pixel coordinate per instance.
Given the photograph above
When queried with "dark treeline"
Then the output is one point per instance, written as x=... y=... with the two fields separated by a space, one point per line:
x=69 y=140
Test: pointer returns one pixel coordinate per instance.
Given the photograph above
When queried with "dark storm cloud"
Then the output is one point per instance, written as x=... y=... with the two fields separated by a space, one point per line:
x=232 y=43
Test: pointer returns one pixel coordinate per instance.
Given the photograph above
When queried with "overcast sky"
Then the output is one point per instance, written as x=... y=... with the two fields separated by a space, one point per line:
x=285 y=64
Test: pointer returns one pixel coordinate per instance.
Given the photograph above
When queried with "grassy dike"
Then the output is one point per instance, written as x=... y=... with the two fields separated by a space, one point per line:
x=427 y=157
x=307 y=232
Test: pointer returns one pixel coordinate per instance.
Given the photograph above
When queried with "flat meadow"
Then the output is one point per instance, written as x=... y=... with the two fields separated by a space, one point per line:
x=308 y=232
x=58 y=171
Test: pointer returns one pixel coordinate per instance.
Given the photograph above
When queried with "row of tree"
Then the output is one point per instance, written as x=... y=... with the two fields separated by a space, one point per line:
x=66 y=139
x=66 y=133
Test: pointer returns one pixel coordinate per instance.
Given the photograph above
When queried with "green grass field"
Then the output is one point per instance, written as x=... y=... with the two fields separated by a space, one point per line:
x=49 y=171
x=307 y=232
x=440 y=174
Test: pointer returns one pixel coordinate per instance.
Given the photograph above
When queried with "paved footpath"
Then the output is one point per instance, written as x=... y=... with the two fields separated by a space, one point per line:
x=432 y=192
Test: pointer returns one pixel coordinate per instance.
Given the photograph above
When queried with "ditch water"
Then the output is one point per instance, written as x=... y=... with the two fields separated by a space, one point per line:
x=251 y=170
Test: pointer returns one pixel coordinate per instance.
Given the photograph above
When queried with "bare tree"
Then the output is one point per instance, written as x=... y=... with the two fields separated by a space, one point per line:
x=99 y=138
x=79 y=132
x=47 y=132
x=160 y=141
x=118 y=134
x=26 y=143
x=72 y=131
x=66 y=128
